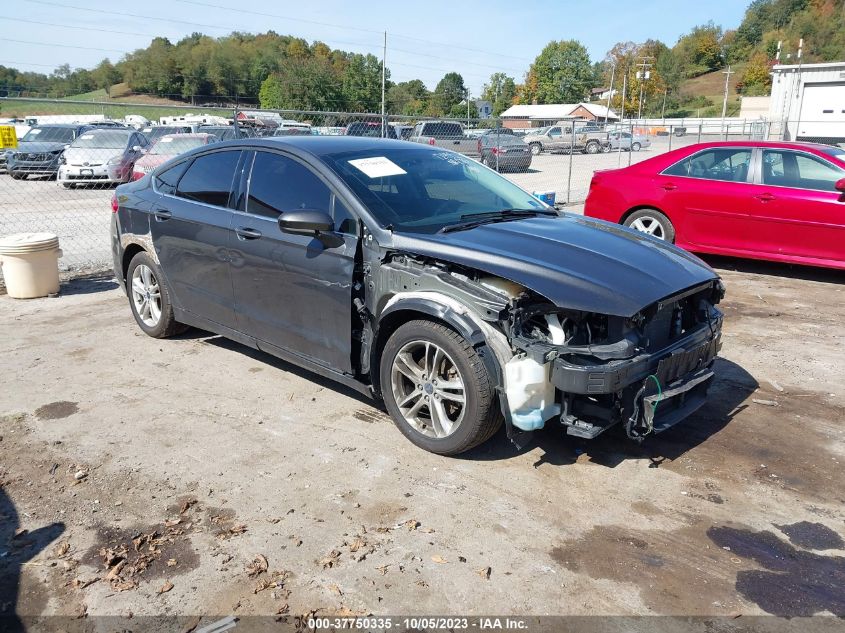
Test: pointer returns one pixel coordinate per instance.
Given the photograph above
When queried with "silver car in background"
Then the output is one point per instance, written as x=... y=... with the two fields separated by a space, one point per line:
x=101 y=156
x=626 y=141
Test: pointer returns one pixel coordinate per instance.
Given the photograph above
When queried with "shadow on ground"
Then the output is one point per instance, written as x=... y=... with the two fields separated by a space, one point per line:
x=733 y=385
x=16 y=548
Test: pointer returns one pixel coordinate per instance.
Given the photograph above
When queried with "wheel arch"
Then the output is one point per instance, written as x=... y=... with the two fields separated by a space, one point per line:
x=402 y=310
x=128 y=253
x=641 y=207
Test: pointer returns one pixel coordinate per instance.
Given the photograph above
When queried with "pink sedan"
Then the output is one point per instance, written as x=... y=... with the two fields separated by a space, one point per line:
x=781 y=201
x=168 y=147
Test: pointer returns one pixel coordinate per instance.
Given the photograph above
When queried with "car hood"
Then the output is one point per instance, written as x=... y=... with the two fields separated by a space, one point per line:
x=39 y=147
x=91 y=155
x=151 y=161
x=575 y=262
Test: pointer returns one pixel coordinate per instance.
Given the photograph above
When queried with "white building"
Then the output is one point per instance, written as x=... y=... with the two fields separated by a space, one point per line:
x=810 y=100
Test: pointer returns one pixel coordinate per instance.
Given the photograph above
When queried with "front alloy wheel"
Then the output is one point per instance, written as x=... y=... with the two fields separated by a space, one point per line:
x=428 y=389
x=437 y=389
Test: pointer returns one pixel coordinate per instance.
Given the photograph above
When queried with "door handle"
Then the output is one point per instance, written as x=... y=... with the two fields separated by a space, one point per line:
x=162 y=215
x=765 y=197
x=669 y=187
x=246 y=233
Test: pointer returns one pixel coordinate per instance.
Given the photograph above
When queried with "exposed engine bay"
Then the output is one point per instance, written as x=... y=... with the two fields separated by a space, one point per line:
x=586 y=371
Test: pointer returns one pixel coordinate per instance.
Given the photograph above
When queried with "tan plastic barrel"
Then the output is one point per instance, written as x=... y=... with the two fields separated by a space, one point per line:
x=30 y=264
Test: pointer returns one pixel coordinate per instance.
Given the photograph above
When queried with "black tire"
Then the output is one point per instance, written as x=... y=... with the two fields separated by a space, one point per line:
x=481 y=417
x=592 y=147
x=67 y=185
x=167 y=324
x=17 y=175
x=536 y=149
x=648 y=217
x=636 y=147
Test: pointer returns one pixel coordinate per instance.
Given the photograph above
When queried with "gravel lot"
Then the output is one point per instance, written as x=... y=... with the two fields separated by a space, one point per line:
x=253 y=487
x=80 y=216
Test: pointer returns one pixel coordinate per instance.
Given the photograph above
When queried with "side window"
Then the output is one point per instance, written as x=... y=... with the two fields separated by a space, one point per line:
x=166 y=180
x=788 y=169
x=729 y=165
x=209 y=178
x=278 y=184
x=555 y=131
x=344 y=221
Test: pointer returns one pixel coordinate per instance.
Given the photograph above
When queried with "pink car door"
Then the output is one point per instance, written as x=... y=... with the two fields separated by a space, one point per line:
x=707 y=198
x=797 y=212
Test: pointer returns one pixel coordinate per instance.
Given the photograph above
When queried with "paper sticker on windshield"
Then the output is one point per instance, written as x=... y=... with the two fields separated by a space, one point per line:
x=86 y=137
x=166 y=139
x=377 y=167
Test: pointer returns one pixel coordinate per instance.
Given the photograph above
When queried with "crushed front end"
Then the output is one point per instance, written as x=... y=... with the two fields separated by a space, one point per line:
x=646 y=372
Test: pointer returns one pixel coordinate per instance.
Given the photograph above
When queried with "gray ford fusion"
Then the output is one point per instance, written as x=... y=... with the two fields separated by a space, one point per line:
x=421 y=277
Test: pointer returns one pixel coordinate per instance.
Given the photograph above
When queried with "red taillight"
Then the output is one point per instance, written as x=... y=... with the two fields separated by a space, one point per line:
x=479 y=146
x=497 y=150
x=137 y=175
x=114 y=204
x=431 y=141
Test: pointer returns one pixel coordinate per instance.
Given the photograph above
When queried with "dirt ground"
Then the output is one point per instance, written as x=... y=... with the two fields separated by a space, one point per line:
x=195 y=476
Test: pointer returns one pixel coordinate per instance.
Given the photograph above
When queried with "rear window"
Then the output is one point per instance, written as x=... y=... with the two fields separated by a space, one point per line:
x=442 y=129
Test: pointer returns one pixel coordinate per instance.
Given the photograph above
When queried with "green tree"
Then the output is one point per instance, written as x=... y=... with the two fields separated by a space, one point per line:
x=700 y=50
x=408 y=98
x=105 y=75
x=500 y=91
x=362 y=83
x=310 y=84
x=755 y=79
x=449 y=92
x=561 y=73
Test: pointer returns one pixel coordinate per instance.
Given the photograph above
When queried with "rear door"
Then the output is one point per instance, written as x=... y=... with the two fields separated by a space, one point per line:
x=707 y=197
x=796 y=209
x=190 y=231
x=293 y=291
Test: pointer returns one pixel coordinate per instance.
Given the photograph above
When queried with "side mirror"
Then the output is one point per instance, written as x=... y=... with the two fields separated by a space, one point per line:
x=306 y=221
x=840 y=185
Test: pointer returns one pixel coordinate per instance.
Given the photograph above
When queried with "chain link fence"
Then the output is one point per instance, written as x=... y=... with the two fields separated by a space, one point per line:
x=61 y=177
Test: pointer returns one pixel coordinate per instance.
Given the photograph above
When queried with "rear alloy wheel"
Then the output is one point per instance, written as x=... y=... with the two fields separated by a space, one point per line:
x=149 y=298
x=652 y=222
x=593 y=147
x=437 y=389
x=536 y=149
x=636 y=147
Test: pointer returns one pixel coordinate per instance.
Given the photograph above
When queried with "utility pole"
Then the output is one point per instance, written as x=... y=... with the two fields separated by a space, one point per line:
x=643 y=75
x=609 y=93
x=727 y=74
x=383 y=71
x=622 y=116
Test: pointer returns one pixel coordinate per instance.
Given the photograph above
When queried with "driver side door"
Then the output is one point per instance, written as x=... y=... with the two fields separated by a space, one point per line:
x=293 y=291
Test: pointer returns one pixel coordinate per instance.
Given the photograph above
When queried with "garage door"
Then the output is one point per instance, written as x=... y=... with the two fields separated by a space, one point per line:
x=823 y=111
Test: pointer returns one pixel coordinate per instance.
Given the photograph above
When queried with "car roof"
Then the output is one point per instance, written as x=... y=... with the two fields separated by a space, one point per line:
x=744 y=143
x=71 y=126
x=324 y=145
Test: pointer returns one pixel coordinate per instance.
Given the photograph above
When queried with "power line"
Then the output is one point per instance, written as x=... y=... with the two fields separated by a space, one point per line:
x=79 y=28
x=345 y=27
x=85 y=48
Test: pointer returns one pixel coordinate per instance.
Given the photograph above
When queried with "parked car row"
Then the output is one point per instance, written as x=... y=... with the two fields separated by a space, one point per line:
x=105 y=152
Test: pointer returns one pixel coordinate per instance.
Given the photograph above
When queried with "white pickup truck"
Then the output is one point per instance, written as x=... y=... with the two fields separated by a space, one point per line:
x=445 y=134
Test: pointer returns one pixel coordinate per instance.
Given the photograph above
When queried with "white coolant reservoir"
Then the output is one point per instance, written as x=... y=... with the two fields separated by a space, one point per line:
x=530 y=393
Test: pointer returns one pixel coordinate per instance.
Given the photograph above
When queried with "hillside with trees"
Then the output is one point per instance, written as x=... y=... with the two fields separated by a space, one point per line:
x=287 y=72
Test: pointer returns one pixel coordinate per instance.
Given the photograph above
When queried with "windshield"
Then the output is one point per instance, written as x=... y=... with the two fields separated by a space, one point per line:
x=155 y=132
x=49 y=135
x=102 y=140
x=836 y=152
x=170 y=145
x=541 y=131
x=422 y=191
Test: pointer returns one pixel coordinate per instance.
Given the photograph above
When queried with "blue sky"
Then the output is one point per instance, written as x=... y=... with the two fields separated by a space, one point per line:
x=424 y=40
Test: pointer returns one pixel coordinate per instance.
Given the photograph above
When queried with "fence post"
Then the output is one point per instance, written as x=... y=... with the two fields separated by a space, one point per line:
x=670 y=136
x=571 y=152
x=700 y=125
x=631 y=146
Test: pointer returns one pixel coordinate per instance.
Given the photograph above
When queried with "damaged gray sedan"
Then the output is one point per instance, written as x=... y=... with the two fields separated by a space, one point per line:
x=421 y=277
